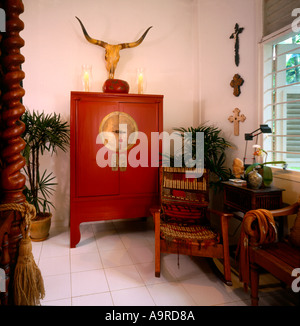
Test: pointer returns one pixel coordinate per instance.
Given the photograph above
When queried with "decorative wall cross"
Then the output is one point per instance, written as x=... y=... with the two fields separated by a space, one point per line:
x=236 y=83
x=236 y=119
x=235 y=35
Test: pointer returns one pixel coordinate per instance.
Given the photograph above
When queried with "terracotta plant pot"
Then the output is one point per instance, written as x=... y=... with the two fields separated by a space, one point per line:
x=40 y=226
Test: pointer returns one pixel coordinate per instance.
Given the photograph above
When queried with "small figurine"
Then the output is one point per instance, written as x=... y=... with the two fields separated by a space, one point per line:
x=238 y=168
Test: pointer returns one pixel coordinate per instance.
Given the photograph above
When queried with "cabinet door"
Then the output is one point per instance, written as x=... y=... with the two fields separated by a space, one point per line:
x=92 y=180
x=140 y=179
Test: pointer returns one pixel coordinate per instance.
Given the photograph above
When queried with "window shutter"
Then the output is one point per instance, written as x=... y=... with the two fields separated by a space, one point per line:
x=293 y=126
x=278 y=14
x=281 y=109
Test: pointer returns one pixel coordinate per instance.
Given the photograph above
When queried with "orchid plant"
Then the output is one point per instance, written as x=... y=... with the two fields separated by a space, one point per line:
x=259 y=152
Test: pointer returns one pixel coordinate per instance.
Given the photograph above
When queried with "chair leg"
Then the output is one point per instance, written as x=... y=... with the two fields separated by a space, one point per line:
x=157 y=264
x=157 y=243
x=227 y=267
x=226 y=256
x=254 y=280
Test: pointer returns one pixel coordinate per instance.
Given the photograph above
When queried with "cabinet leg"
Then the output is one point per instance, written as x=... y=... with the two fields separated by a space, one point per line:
x=74 y=234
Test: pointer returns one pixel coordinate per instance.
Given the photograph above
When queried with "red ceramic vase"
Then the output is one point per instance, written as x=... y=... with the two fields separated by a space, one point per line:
x=115 y=86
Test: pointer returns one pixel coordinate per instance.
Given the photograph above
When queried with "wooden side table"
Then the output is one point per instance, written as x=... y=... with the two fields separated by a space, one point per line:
x=245 y=199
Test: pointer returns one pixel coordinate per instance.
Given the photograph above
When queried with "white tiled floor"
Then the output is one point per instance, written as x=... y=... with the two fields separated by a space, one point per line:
x=113 y=265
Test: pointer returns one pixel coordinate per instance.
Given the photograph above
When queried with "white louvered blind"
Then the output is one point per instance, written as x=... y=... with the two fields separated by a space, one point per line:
x=293 y=126
x=281 y=109
x=277 y=14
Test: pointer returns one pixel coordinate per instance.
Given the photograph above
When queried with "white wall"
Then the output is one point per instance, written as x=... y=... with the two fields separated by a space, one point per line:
x=216 y=21
x=217 y=67
x=187 y=56
x=55 y=50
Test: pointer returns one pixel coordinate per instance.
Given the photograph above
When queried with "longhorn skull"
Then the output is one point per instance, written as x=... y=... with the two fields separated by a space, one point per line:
x=112 y=55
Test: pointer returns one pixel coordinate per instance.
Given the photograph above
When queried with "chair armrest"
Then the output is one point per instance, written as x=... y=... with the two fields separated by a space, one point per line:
x=155 y=209
x=219 y=213
x=288 y=210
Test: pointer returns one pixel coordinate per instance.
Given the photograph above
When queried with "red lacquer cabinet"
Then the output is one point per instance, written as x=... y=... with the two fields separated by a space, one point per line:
x=114 y=178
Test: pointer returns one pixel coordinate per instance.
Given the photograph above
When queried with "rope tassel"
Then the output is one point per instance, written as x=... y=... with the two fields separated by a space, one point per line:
x=28 y=282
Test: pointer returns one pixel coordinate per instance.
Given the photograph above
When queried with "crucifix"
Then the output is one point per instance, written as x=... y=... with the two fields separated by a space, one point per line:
x=235 y=35
x=236 y=83
x=236 y=119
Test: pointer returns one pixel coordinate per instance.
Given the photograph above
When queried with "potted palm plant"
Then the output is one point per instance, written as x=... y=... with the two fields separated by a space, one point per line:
x=214 y=150
x=44 y=133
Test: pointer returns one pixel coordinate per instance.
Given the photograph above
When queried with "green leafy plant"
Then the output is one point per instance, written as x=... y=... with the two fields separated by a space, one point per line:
x=214 y=149
x=255 y=165
x=44 y=133
x=266 y=171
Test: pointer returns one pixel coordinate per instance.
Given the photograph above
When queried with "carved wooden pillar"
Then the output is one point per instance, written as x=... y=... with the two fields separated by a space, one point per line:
x=5 y=262
x=12 y=181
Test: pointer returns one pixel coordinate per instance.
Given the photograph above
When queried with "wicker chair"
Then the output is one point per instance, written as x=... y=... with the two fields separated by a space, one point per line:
x=182 y=223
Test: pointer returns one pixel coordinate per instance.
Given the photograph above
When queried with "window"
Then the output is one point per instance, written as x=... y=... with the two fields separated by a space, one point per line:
x=281 y=100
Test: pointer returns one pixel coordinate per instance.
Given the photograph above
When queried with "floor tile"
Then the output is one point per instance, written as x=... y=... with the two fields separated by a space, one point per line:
x=88 y=282
x=206 y=291
x=170 y=294
x=143 y=254
x=54 y=265
x=85 y=246
x=147 y=273
x=108 y=239
x=132 y=297
x=115 y=258
x=184 y=267
x=123 y=277
x=85 y=262
x=98 y=299
x=59 y=235
x=57 y=303
x=36 y=250
x=57 y=287
x=134 y=239
x=58 y=244
x=53 y=250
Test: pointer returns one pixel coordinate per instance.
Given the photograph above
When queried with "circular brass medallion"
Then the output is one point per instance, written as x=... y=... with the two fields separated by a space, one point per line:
x=115 y=130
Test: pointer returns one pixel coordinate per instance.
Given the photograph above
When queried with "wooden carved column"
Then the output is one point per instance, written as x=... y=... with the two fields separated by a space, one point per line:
x=12 y=181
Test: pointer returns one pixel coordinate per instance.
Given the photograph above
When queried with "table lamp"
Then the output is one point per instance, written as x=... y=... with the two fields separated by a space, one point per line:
x=263 y=129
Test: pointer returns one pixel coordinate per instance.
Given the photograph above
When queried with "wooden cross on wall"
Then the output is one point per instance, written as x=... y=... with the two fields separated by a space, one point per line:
x=236 y=84
x=236 y=119
x=235 y=35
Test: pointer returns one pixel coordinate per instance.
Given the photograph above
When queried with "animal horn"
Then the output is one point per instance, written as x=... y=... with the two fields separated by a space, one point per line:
x=133 y=44
x=91 y=40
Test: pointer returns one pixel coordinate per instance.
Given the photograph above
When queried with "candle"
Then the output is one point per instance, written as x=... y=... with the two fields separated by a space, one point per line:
x=140 y=83
x=86 y=79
